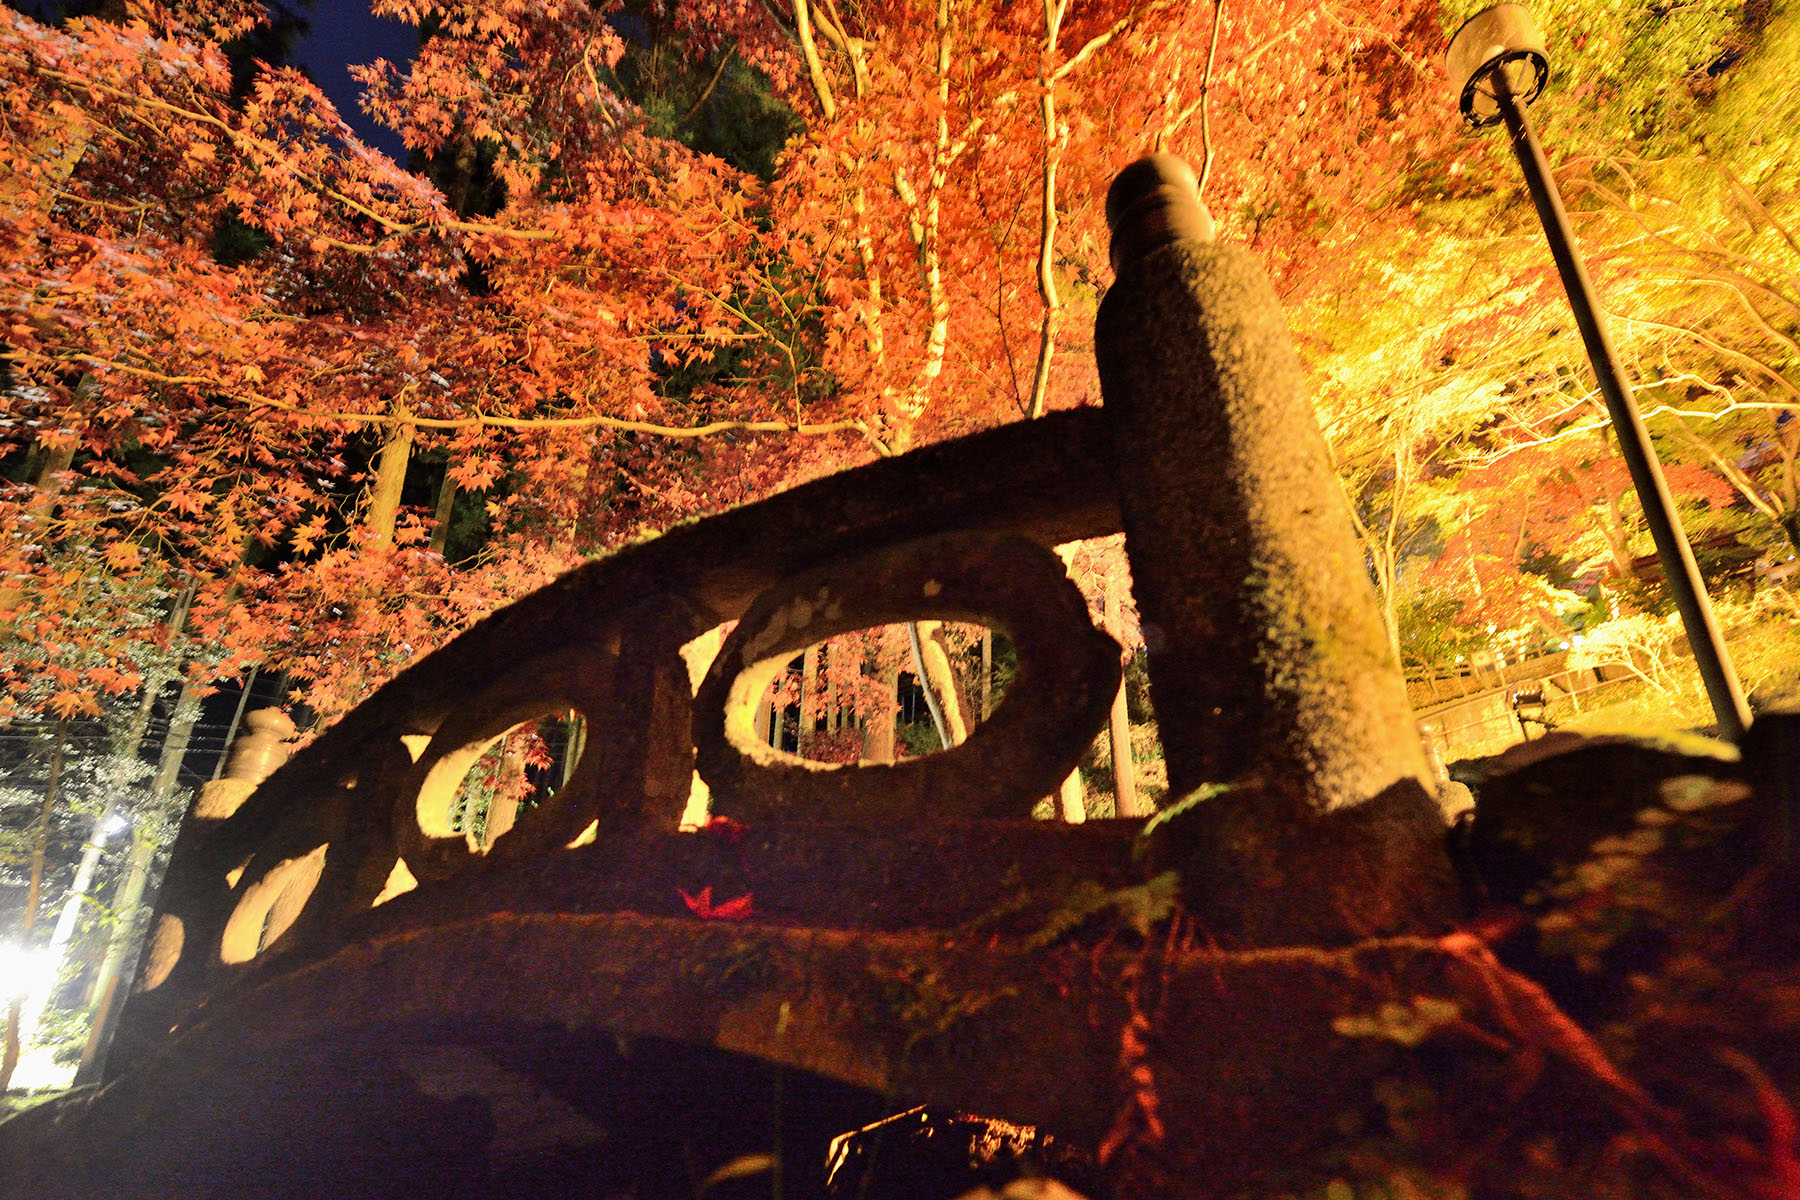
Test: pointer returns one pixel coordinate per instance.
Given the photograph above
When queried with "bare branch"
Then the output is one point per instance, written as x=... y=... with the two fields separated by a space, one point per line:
x=1755 y=363
x=1745 y=486
x=1206 y=146
x=600 y=93
x=1046 y=258
x=707 y=91
x=1096 y=43
x=815 y=69
x=259 y=401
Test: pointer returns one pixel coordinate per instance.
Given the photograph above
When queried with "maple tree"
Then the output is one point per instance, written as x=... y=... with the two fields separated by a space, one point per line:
x=250 y=355
x=261 y=407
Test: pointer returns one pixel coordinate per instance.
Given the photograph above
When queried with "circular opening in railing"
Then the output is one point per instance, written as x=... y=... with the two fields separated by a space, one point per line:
x=480 y=782
x=919 y=610
x=885 y=693
x=269 y=905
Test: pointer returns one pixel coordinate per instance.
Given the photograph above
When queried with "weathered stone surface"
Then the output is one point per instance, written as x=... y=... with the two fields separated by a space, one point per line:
x=1771 y=756
x=1151 y=203
x=287 y=1084
x=1267 y=652
x=992 y=876
x=1541 y=807
x=257 y=753
x=459 y=1043
x=1262 y=867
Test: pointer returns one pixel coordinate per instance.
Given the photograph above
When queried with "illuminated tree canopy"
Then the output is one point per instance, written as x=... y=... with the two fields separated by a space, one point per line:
x=648 y=262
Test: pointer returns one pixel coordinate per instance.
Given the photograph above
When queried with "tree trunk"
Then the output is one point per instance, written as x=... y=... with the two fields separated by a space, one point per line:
x=574 y=747
x=1124 y=770
x=809 y=703
x=987 y=673
x=503 y=808
x=38 y=998
x=937 y=678
x=1072 y=798
x=103 y=997
x=175 y=742
x=446 y=507
x=390 y=481
x=40 y=842
x=1053 y=142
x=128 y=898
x=764 y=722
x=878 y=733
x=57 y=459
x=698 y=655
x=237 y=718
x=130 y=894
x=1618 y=539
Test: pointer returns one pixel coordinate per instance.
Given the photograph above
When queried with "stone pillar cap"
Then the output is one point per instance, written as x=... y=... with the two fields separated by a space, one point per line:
x=271 y=721
x=1152 y=202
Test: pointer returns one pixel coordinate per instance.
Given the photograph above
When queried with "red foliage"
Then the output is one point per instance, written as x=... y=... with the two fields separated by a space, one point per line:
x=882 y=290
x=702 y=906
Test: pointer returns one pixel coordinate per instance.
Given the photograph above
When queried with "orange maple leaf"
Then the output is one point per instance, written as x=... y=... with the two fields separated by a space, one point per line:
x=731 y=910
x=69 y=703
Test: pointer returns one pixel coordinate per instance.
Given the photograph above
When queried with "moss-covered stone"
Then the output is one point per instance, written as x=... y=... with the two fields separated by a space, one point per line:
x=1267 y=651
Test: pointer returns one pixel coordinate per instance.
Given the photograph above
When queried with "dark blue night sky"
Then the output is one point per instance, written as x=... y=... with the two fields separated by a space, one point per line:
x=343 y=32
x=340 y=32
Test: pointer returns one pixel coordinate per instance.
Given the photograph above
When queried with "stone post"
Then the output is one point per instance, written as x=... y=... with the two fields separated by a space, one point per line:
x=254 y=757
x=1269 y=662
x=1267 y=652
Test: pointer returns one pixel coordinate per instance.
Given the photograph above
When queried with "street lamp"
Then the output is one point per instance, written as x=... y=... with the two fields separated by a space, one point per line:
x=1498 y=66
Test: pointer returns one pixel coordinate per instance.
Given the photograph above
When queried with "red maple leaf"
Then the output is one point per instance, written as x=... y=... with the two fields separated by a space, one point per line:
x=731 y=910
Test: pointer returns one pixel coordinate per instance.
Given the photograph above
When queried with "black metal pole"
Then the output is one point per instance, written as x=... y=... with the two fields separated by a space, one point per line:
x=1672 y=549
x=237 y=719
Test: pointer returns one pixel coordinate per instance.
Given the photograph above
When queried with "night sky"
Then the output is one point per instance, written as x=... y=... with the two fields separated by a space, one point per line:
x=343 y=32
x=340 y=32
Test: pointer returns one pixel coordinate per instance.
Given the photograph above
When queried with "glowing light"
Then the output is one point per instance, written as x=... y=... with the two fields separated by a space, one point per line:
x=24 y=969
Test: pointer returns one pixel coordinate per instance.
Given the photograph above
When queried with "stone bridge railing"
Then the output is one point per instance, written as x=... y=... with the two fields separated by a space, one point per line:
x=1269 y=666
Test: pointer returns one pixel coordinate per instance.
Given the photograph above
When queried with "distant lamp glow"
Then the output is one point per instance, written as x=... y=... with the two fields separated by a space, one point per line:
x=23 y=969
x=115 y=824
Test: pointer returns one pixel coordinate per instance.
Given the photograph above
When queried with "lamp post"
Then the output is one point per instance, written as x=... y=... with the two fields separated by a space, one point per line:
x=1497 y=66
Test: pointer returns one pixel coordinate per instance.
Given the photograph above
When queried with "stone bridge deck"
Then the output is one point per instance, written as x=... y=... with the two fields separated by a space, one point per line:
x=493 y=1039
